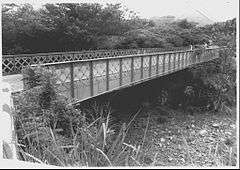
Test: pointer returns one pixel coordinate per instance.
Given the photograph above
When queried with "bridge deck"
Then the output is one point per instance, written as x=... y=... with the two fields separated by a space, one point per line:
x=83 y=79
x=80 y=80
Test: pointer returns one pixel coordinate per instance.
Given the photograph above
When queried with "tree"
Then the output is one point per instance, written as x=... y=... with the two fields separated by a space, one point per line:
x=221 y=74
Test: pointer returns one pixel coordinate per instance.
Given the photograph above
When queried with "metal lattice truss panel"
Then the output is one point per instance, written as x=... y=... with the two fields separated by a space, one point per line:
x=126 y=64
x=87 y=78
x=14 y=63
x=62 y=76
x=160 y=60
x=137 y=63
x=81 y=72
x=146 y=63
x=99 y=70
x=8 y=65
x=114 y=69
x=154 y=60
x=22 y=62
x=154 y=65
x=137 y=68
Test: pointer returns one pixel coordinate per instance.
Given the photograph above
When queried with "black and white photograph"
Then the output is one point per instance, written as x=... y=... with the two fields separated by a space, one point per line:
x=119 y=84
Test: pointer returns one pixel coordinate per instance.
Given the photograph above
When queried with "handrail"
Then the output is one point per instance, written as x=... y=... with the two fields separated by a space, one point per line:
x=13 y=64
x=83 y=79
x=90 y=51
x=120 y=57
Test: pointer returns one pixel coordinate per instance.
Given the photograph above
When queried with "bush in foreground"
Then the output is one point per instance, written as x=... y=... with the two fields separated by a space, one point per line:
x=50 y=130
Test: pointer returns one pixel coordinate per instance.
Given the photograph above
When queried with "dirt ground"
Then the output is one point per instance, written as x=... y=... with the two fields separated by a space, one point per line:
x=175 y=138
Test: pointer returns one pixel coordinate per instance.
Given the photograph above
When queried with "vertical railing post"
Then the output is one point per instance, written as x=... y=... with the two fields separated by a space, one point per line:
x=141 y=67
x=150 y=66
x=132 y=68
x=169 y=62
x=208 y=54
x=120 y=72
x=192 y=57
x=31 y=60
x=163 y=63
x=202 y=56
x=107 y=74
x=174 y=61
x=91 y=77
x=157 y=64
x=182 y=57
x=8 y=138
x=186 y=58
x=196 y=57
x=179 y=63
x=14 y=65
x=189 y=58
x=72 y=80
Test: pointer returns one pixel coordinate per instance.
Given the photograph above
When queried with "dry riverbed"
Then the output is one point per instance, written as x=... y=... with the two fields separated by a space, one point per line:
x=174 y=138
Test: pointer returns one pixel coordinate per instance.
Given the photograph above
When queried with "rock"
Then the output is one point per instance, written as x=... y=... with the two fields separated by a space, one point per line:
x=190 y=116
x=162 y=140
x=147 y=160
x=233 y=126
x=170 y=159
x=229 y=142
x=228 y=133
x=211 y=139
x=183 y=160
x=216 y=125
x=161 y=120
x=222 y=139
x=159 y=144
x=203 y=132
x=193 y=126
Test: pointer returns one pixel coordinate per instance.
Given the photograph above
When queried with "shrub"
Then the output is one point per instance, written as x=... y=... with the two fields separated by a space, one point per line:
x=56 y=133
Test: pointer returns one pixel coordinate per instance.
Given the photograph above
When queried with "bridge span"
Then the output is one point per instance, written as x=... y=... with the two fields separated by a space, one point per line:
x=84 y=79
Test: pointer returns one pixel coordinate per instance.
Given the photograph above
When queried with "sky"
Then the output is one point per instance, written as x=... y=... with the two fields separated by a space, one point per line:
x=215 y=10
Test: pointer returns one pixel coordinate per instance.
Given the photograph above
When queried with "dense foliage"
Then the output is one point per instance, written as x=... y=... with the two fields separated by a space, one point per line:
x=70 y=27
x=52 y=131
x=220 y=75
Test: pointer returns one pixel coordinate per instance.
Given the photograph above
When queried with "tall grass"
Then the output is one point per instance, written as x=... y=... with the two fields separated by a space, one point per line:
x=91 y=143
x=52 y=131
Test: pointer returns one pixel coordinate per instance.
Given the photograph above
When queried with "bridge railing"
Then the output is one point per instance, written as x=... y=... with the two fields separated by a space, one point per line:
x=83 y=79
x=13 y=64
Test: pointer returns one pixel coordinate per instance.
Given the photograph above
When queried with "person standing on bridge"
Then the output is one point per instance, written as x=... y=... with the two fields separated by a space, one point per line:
x=205 y=45
x=191 y=47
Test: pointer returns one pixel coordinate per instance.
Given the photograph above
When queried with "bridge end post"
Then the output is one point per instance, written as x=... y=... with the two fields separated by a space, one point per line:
x=7 y=137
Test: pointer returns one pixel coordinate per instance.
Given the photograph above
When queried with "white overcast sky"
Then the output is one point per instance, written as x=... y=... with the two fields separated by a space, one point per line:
x=217 y=10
